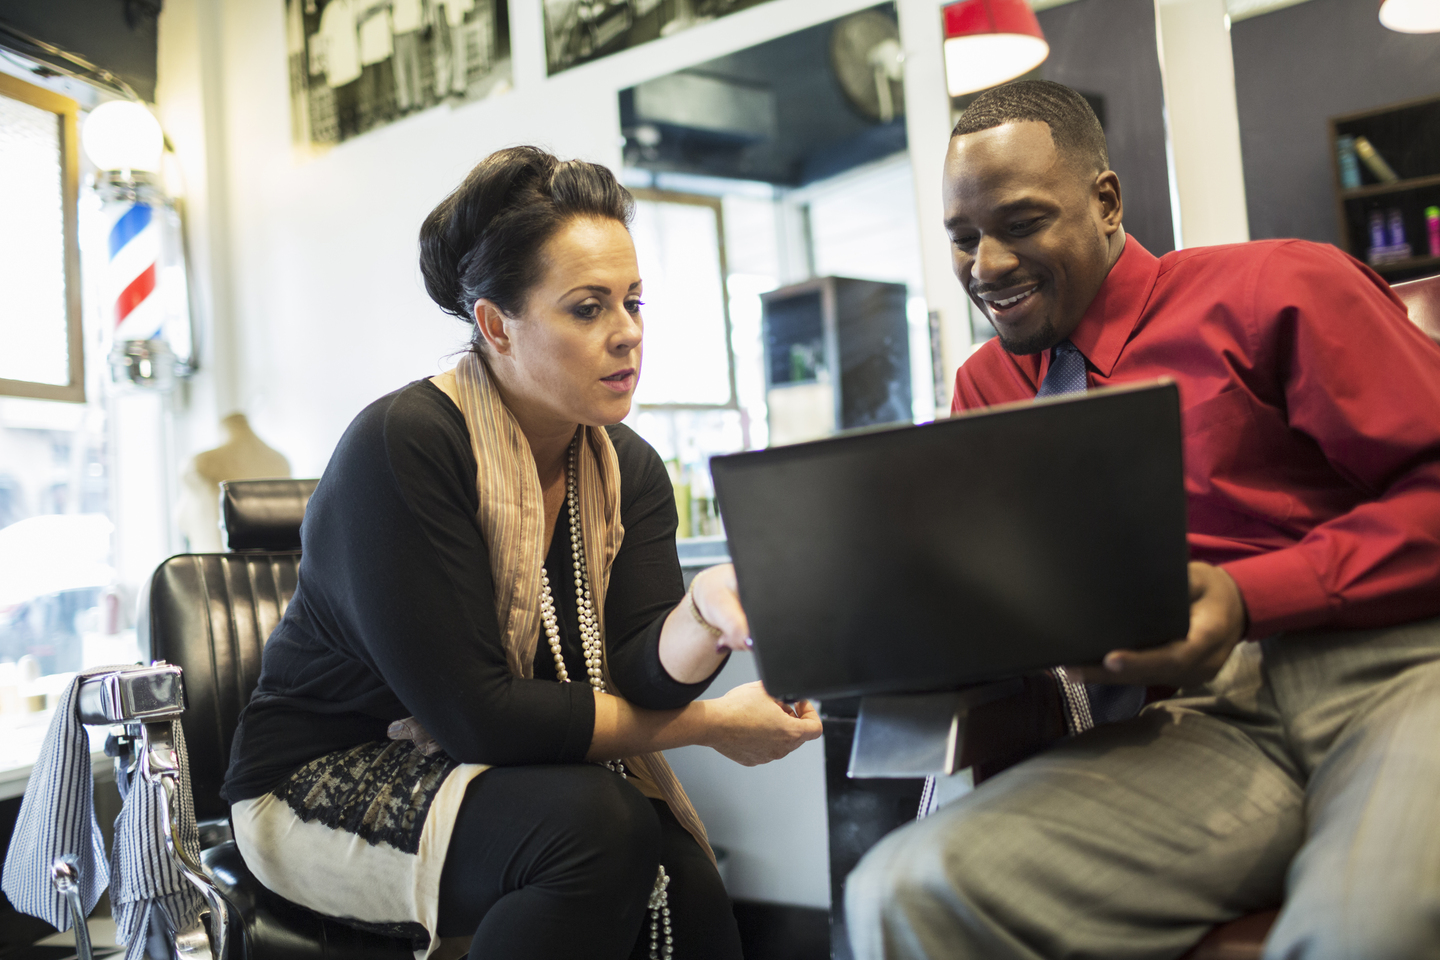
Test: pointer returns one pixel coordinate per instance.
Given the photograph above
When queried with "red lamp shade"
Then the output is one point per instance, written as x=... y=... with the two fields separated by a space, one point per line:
x=1411 y=16
x=990 y=41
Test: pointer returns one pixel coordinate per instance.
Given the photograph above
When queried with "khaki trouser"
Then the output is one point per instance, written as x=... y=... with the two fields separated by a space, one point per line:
x=1307 y=771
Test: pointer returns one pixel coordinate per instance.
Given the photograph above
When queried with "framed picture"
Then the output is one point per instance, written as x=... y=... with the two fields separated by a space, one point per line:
x=578 y=31
x=359 y=64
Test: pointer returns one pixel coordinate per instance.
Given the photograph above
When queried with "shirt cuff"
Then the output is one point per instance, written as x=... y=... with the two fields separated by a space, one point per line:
x=580 y=730
x=654 y=688
x=1281 y=592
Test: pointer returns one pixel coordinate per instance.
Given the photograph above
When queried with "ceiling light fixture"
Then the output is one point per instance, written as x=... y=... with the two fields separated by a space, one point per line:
x=1411 y=16
x=988 y=42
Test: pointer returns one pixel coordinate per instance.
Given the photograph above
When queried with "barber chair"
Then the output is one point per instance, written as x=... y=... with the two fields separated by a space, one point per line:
x=996 y=734
x=207 y=616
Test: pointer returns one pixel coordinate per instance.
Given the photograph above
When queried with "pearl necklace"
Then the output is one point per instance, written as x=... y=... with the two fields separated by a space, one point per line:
x=590 y=645
x=584 y=606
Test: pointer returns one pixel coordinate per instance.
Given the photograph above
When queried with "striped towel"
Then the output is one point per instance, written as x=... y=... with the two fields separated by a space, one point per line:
x=57 y=817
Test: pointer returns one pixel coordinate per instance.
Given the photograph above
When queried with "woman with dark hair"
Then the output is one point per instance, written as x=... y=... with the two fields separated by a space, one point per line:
x=408 y=762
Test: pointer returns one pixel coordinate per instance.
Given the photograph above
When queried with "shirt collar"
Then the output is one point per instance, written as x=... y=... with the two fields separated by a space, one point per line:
x=1111 y=317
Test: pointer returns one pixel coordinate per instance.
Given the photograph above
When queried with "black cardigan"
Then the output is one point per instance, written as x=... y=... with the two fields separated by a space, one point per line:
x=394 y=614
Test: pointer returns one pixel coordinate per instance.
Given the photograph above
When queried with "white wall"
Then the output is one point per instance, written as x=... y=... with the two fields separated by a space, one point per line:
x=771 y=818
x=315 y=305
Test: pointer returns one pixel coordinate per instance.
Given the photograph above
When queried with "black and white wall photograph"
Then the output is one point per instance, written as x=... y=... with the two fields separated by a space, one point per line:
x=359 y=64
x=578 y=31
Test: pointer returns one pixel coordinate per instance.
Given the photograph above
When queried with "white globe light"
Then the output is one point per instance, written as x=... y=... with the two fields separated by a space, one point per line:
x=123 y=135
x=984 y=60
x=1411 y=16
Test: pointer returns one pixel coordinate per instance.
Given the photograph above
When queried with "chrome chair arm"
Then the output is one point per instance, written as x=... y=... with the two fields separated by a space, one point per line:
x=65 y=872
x=146 y=702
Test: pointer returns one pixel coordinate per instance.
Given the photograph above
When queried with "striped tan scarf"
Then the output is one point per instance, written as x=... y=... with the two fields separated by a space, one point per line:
x=512 y=520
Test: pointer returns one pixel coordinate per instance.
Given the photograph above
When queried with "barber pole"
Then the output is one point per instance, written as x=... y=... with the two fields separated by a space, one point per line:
x=131 y=281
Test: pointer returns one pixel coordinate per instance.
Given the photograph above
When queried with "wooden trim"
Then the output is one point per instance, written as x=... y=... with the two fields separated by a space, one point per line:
x=1381 y=111
x=67 y=114
x=17 y=89
x=1341 y=222
x=1392 y=186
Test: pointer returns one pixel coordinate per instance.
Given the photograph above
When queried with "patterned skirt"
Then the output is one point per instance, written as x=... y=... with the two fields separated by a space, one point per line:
x=360 y=835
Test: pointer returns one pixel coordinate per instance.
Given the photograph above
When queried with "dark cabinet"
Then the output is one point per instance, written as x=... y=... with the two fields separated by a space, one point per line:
x=837 y=357
x=1376 y=212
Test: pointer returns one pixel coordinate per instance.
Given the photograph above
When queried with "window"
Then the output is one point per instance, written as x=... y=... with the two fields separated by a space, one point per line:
x=64 y=604
x=39 y=249
x=679 y=242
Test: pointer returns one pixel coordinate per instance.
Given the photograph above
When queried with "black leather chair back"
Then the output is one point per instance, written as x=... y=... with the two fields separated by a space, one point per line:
x=263 y=514
x=211 y=614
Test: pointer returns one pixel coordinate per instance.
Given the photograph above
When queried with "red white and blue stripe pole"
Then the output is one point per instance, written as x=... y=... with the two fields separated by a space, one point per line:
x=132 y=271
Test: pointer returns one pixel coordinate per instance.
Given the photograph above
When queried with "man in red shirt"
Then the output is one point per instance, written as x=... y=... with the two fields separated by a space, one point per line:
x=1303 y=768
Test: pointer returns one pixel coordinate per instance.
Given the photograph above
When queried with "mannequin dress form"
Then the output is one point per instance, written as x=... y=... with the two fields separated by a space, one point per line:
x=243 y=456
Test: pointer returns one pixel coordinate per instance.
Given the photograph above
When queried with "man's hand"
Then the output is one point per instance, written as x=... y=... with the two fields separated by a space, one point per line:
x=1217 y=623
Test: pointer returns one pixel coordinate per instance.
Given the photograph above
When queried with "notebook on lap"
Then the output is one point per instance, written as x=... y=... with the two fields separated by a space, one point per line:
x=929 y=557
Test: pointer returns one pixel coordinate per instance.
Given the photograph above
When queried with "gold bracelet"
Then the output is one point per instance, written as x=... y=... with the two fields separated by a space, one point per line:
x=715 y=631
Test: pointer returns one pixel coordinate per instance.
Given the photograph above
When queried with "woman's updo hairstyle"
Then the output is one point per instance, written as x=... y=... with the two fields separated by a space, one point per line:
x=484 y=240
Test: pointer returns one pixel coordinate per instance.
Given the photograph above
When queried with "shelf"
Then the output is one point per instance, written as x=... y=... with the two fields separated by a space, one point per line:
x=1399 y=186
x=1401 y=266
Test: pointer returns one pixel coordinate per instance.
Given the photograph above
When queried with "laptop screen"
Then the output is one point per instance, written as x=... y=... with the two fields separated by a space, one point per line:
x=929 y=557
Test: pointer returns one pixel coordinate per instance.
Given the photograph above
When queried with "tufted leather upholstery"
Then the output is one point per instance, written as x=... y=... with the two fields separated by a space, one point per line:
x=1422 y=299
x=211 y=613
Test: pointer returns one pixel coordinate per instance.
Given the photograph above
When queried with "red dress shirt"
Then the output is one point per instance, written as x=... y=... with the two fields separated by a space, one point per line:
x=1310 y=407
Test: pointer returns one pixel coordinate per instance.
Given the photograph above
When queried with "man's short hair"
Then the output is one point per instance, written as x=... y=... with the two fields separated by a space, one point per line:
x=1073 y=125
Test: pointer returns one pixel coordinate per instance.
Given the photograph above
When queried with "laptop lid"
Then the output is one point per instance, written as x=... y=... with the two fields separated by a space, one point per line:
x=930 y=557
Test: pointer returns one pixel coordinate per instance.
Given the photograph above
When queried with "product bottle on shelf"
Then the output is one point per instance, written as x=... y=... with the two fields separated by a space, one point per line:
x=1395 y=226
x=1349 y=163
x=704 y=514
x=1395 y=223
x=680 y=481
x=1432 y=228
x=1374 y=161
x=1377 y=236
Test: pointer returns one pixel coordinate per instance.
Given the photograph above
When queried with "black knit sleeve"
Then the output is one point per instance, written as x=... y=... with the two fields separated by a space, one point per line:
x=645 y=581
x=395 y=560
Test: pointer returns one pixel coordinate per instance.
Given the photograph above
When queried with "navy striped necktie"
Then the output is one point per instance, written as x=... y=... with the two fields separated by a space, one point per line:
x=1094 y=703
x=1066 y=373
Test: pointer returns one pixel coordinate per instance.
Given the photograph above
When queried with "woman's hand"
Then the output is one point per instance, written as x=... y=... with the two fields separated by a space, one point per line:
x=751 y=727
x=717 y=597
x=691 y=650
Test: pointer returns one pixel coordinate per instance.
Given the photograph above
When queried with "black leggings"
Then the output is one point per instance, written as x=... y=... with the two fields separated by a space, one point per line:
x=559 y=861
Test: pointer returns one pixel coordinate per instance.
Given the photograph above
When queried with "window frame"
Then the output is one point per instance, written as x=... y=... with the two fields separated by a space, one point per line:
x=67 y=113
x=652 y=195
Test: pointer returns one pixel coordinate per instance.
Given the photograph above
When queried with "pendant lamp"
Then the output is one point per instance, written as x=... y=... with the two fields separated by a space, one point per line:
x=1411 y=16
x=990 y=41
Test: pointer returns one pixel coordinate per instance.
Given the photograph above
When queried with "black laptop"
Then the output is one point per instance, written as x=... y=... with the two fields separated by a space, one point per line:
x=929 y=557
